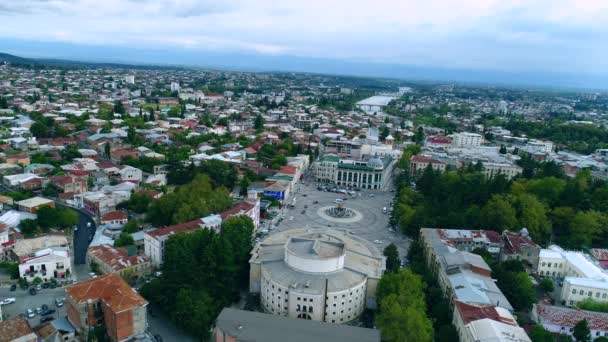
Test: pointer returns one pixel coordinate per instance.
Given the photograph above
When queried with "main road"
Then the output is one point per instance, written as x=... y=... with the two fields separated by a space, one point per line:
x=83 y=236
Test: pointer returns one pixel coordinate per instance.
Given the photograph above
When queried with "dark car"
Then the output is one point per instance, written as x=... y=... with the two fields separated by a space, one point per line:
x=44 y=307
x=158 y=338
x=33 y=291
x=13 y=287
x=23 y=286
x=47 y=312
x=46 y=285
x=46 y=319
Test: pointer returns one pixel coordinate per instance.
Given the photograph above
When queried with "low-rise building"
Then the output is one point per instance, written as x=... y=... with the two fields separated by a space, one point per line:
x=560 y=320
x=109 y=259
x=31 y=205
x=486 y=322
x=507 y=170
x=466 y=139
x=234 y=325
x=114 y=219
x=45 y=257
x=419 y=162
x=372 y=173
x=109 y=301
x=519 y=246
x=17 y=329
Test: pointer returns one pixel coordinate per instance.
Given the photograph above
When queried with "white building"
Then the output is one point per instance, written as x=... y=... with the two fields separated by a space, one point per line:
x=481 y=322
x=323 y=274
x=45 y=257
x=374 y=104
x=373 y=173
x=560 y=320
x=466 y=139
x=130 y=79
x=508 y=170
x=174 y=86
x=584 y=279
x=539 y=146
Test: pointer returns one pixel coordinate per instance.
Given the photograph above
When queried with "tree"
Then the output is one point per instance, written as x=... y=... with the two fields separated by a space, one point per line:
x=28 y=227
x=539 y=334
x=446 y=333
x=106 y=149
x=119 y=107
x=503 y=149
x=124 y=239
x=244 y=186
x=498 y=214
x=393 y=263
x=592 y=305
x=403 y=324
x=515 y=284
x=533 y=216
x=47 y=217
x=131 y=227
x=547 y=285
x=582 y=333
x=419 y=135
x=39 y=130
x=258 y=123
x=586 y=226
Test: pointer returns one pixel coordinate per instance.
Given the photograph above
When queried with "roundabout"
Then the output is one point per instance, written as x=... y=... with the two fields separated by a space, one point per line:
x=339 y=214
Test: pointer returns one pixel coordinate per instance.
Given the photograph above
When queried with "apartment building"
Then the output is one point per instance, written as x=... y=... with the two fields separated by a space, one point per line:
x=483 y=322
x=466 y=139
x=46 y=257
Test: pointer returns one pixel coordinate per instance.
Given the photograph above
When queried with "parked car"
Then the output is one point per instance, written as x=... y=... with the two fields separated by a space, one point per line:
x=44 y=307
x=33 y=291
x=47 y=312
x=30 y=313
x=58 y=302
x=46 y=285
x=46 y=319
x=92 y=275
x=13 y=287
x=38 y=287
x=39 y=310
x=7 y=301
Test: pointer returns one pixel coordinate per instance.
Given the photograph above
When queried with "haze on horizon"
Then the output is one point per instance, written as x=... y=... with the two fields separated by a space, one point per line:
x=564 y=37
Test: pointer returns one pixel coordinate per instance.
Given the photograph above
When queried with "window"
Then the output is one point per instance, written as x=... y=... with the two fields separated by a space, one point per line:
x=581 y=292
x=597 y=295
x=604 y=296
x=590 y=294
x=573 y=291
x=310 y=300
x=544 y=264
x=299 y=298
x=310 y=308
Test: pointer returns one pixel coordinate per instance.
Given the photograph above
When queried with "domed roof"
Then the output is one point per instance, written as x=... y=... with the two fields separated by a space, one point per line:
x=375 y=163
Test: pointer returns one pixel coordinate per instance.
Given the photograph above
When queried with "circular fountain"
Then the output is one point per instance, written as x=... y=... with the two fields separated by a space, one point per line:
x=339 y=211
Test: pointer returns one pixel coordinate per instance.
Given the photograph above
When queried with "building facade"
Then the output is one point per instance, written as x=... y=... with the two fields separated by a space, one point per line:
x=328 y=275
x=374 y=173
x=466 y=139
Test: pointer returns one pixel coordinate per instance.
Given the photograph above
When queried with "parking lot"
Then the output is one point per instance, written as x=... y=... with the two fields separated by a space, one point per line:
x=24 y=301
x=369 y=221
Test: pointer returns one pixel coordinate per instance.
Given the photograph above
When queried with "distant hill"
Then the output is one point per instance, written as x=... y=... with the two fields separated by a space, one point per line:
x=63 y=63
x=5 y=57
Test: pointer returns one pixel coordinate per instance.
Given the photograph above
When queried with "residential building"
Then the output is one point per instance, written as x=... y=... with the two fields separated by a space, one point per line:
x=31 y=205
x=561 y=320
x=73 y=184
x=45 y=257
x=508 y=170
x=519 y=246
x=485 y=322
x=374 y=104
x=466 y=139
x=16 y=329
x=323 y=275
x=114 y=219
x=234 y=325
x=109 y=301
x=109 y=259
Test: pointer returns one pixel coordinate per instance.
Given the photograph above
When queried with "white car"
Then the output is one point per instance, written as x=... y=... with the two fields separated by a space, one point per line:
x=92 y=275
x=88 y=224
x=30 y=313
x=378 y=241
x=290 y=218
x=7 y=301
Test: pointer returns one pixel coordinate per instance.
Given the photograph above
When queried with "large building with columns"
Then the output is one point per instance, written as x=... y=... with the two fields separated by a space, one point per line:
x=326 y=275
x=372 y=173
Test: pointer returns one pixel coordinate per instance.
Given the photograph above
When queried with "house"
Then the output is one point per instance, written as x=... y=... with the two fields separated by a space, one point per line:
x=109 y=259
x=561 y=320
x=130 y=173
x=16 y=329
x=109 y=301
x=69 y=183
x=520 y=246
x=249 y=208
x=420 y=162
x=233 y=325
x=31 y=205
x=45 y=257
x=19 y=158
x=114 y=219
x=17 y=179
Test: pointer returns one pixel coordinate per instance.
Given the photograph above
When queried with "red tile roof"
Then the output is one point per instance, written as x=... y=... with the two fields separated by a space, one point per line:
x=114 y=215
x=177 y=228
x=420 y=158
x=600 y=254
x=438 y=139
x=117 y=258
x=236 y=209
x=515 y=242
x=109 y=288
x=474 y=312
x=566 y=317
x=14 y=329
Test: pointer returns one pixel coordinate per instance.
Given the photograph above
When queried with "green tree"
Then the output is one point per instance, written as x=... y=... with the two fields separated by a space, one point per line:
x=258 y=123
x=592 y=305
x=586 y=226
x=547 y=285
x=124 y=239
x=539 y=334
x=119 y=107
x=393 y=263
x=131 y=227
x=106 y=149
x=39 y=130
x=533 y=216
x=244 y=186
x=28 y=227
x=581 y=332
x=403 y=323
x=498 y=214
x=48 y=217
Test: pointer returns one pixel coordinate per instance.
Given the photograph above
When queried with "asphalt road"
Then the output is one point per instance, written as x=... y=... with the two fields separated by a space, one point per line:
x=82 y=237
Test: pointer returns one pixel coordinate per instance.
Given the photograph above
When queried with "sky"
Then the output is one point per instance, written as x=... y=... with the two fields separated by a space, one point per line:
x=514 y=36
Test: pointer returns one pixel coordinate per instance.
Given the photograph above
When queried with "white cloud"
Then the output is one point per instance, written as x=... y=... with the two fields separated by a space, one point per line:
x=463 y=33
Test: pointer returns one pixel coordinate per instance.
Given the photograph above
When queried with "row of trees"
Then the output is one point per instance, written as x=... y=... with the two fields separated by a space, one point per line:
x=221 y=174
x=203 y=272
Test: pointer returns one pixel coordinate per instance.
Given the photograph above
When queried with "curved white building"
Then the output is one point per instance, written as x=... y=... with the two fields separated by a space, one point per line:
x=323 y=274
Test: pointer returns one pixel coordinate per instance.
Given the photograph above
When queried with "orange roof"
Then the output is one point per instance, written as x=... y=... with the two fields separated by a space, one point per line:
x=114 y=215
x=109 y=288
x=15 y=328
x=117 y=258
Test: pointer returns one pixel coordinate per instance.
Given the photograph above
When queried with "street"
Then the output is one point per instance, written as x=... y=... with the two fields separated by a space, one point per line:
x=82 y=238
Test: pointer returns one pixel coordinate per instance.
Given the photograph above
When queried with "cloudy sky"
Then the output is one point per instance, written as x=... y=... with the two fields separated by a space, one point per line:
x=564 y=36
